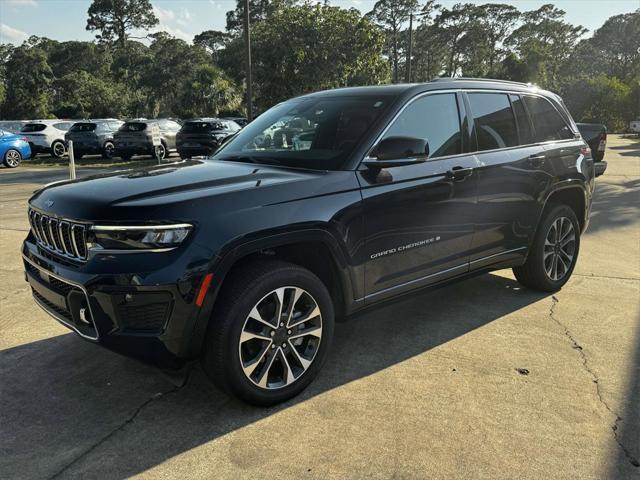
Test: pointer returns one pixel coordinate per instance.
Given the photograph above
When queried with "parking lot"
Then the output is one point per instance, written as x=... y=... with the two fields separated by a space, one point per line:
x=482 y=379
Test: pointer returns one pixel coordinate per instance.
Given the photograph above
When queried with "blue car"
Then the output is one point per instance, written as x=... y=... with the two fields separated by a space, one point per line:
x=13 y=149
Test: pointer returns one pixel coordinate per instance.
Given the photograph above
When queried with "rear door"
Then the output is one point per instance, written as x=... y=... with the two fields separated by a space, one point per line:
x=511 y=175
x=562 y=146
x=418 y=218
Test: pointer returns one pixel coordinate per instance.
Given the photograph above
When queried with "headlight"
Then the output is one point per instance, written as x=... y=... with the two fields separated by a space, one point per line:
x=137 y=237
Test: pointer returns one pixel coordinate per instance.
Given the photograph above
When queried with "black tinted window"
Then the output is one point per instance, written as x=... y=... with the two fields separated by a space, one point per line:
x=33 y=127
x=83 y=127
x=133 y=127
x=524 y=124
x=201 y=127
x=434 y=118
x=547 y=122
x=495 y=125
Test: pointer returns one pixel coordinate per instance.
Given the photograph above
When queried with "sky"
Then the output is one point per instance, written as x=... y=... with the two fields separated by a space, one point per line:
x=66 y=19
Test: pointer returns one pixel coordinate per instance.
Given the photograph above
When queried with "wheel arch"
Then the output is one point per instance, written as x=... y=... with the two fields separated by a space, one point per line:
x=314 y=249
x=572 y=194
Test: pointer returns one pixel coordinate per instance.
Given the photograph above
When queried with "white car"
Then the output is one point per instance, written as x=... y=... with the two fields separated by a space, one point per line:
x=47 y=136
x=634 y=126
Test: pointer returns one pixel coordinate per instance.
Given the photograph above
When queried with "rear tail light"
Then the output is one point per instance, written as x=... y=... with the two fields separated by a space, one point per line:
x=24 y=139
x=603 y=142
x=586 y=151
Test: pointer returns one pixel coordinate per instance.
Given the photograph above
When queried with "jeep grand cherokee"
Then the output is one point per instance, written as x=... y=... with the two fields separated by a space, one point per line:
x=245 y=260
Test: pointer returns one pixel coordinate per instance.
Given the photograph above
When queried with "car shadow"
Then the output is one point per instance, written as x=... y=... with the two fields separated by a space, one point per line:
x=63 y=397
x=627 y=431
x=614 y=205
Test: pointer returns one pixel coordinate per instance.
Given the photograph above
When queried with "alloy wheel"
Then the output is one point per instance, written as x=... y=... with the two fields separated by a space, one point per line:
x=559 y=249
x=59 y=149
x=280 y=338
x=109 y=148
x=13 y=158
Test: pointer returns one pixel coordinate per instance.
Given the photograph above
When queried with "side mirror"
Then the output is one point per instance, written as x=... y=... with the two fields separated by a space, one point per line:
x=398 y=151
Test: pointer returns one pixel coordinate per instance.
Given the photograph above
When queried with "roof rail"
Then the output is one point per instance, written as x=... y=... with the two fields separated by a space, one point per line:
x=472 y=79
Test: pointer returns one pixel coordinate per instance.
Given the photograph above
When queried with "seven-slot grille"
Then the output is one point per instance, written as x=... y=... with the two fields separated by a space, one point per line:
x=61 y=236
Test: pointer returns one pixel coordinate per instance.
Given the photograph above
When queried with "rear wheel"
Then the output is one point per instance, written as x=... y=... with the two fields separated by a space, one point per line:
x=270 y=332
x=12 y=158
x=554 y=252
x=161 y=151
x=58 y=149
x=108 y=150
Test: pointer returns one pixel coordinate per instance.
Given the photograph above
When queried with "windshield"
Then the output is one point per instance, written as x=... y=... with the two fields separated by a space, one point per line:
x=315 y=133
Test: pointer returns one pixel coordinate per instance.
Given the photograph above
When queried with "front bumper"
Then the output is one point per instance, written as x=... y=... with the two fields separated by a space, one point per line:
x=151 y=321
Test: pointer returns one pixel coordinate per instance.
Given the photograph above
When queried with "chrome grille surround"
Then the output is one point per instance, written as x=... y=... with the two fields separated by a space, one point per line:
x=61 y=236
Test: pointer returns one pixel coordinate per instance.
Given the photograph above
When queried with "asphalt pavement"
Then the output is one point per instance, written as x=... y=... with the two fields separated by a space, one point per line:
x=483 y=379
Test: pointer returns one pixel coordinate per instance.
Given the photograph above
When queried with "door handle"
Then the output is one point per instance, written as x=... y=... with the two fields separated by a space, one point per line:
x=459 y=173
x=536 y=160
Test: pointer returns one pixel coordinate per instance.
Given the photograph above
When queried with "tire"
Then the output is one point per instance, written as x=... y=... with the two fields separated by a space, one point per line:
x=108 y=150
x=161 y=152
x=12 y=158
x=58 y=149
x=252 y=289
x=551 y=260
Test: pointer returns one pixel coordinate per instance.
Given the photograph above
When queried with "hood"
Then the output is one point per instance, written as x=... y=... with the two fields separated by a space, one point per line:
x=161 y=192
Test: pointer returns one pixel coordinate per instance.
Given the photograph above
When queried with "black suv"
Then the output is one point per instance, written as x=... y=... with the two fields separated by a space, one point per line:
x=135 y=138
x=93 y=136
x=246 y=259
x=203 y=136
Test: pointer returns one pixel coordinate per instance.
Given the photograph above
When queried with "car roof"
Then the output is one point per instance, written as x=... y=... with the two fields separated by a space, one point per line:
x=400 y=89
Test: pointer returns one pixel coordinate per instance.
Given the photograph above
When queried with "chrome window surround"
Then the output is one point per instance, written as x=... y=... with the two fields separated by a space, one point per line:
x=62 y=320
x=470 y=90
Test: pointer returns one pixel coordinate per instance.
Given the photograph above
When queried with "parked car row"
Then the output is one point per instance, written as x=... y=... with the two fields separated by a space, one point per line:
x=111 y=137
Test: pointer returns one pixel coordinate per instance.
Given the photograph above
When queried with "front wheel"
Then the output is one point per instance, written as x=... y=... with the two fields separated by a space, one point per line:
x=12 y=158
x=270 y=333
x=554 y=252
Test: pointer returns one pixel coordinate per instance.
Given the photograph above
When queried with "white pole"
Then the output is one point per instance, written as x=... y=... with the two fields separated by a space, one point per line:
x=72 y=162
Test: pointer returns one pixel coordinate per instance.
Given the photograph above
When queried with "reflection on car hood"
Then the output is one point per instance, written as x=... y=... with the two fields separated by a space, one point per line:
x=101 y=196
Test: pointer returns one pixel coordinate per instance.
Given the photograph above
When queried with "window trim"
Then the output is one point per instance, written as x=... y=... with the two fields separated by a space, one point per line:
x=474 y=119
x=464 y=92
x=461 y=116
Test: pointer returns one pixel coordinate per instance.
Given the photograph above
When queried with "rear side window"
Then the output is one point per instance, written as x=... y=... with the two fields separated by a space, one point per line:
x=494 y=121
x=63 y=125
x=133 y=127
x=83 y=127
x=434 y=118
x=33 y=127
x=547 y=122
x=524 y=124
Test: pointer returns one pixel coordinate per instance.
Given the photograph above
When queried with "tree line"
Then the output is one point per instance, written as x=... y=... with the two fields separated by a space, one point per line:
x=299 y=47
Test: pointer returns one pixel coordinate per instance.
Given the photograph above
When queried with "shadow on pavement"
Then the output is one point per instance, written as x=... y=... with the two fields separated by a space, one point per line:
x=614 y=205
x=628 y=434
x=62 y=398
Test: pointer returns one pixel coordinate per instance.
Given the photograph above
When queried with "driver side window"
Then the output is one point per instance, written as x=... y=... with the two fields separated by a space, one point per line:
x=434 y=118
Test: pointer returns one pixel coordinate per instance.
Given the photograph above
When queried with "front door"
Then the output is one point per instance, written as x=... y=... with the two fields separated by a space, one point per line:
x=419 y=219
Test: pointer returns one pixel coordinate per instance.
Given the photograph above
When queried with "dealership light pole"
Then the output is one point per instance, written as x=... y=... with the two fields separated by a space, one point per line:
x=247 y=42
